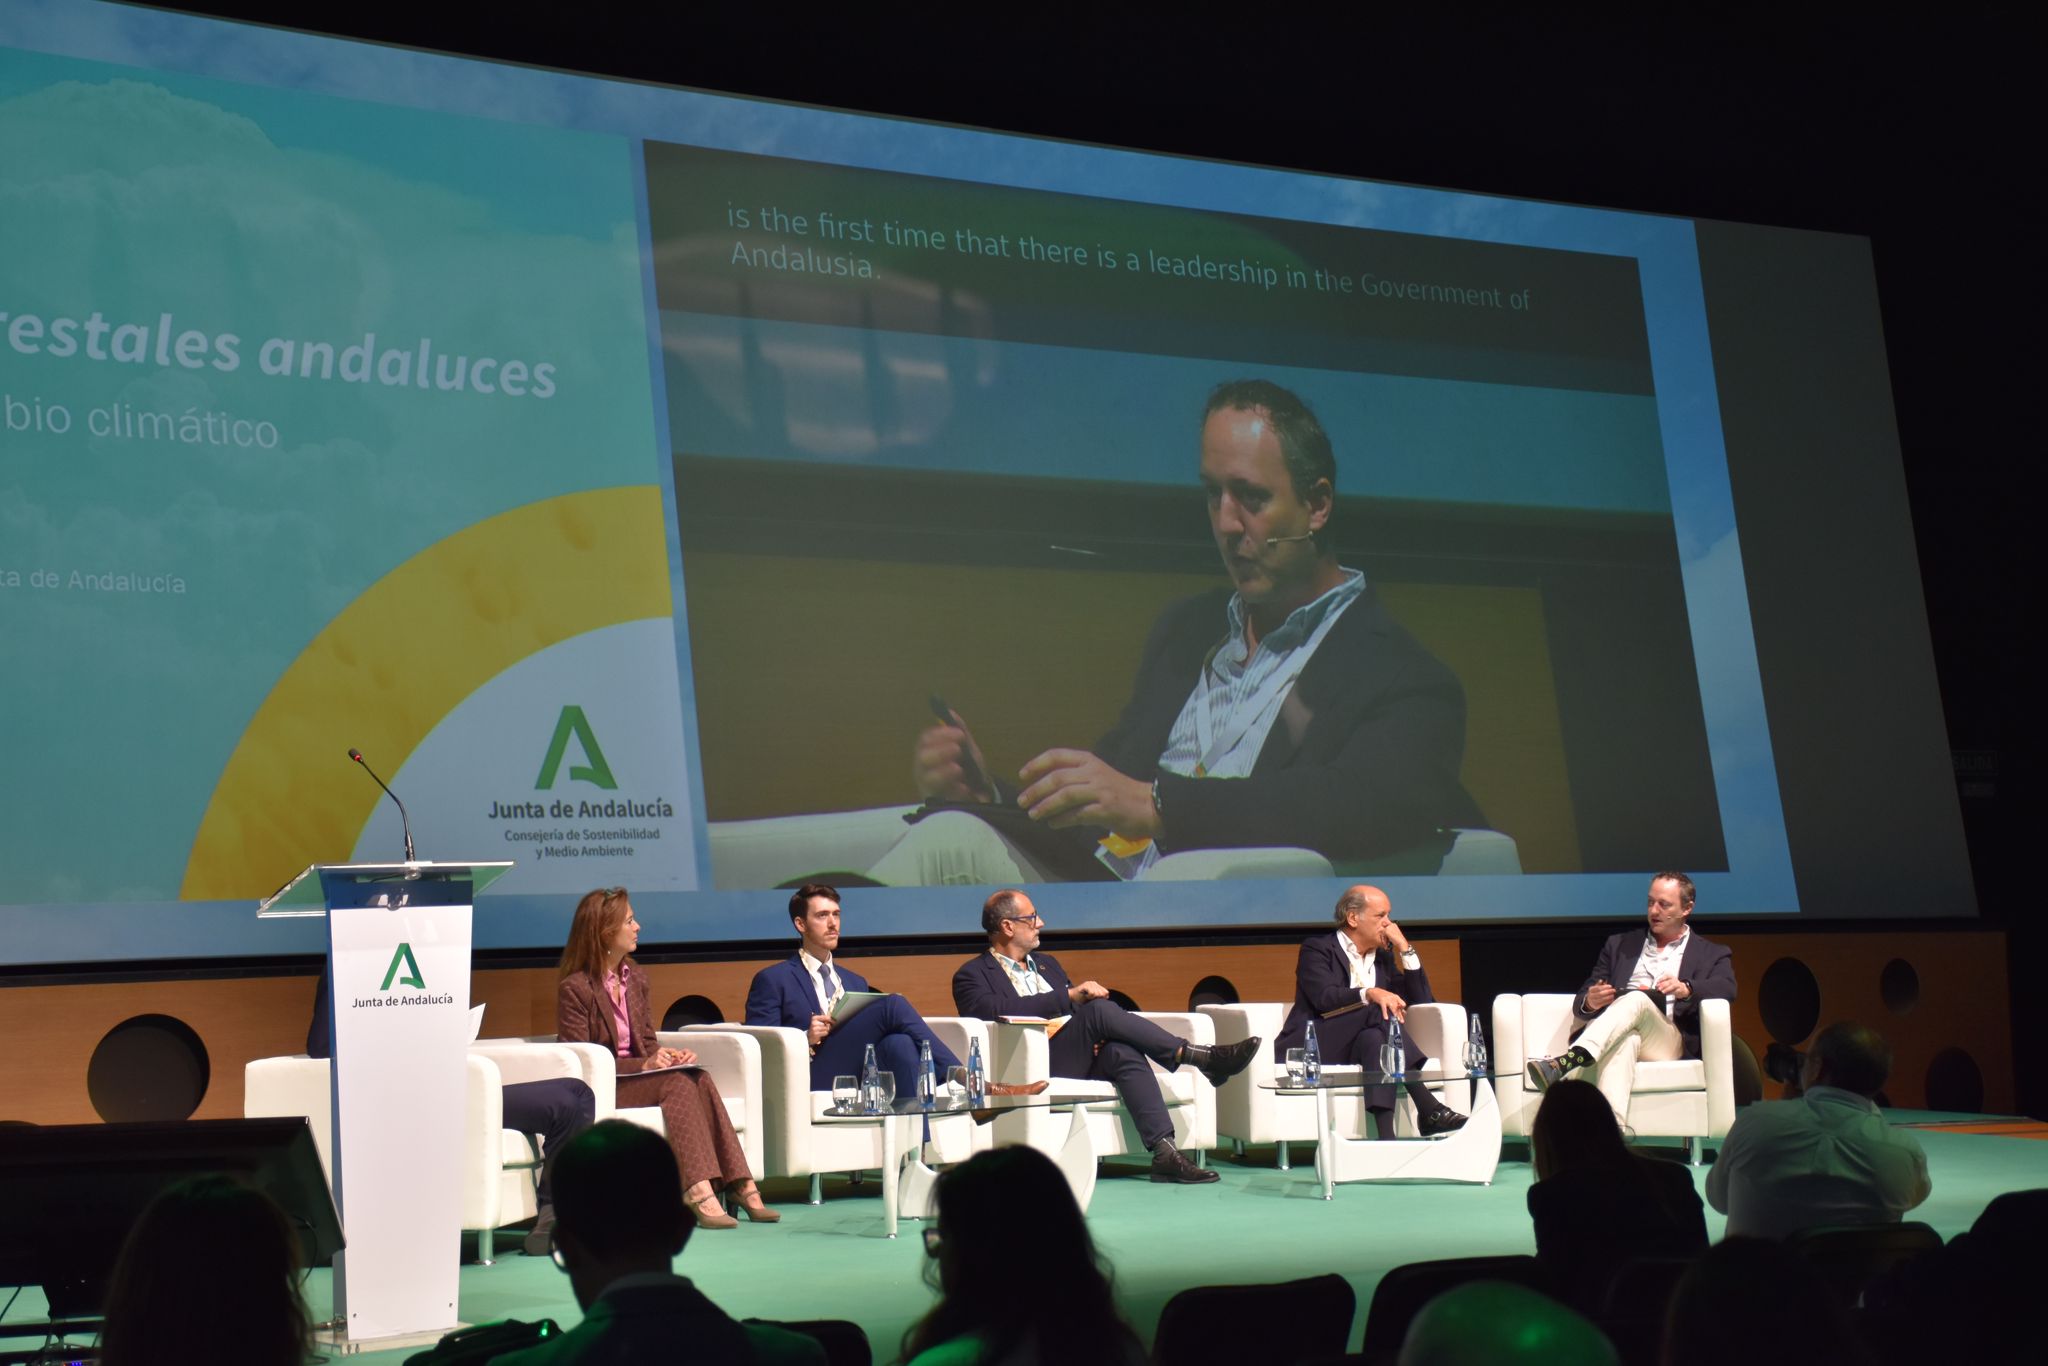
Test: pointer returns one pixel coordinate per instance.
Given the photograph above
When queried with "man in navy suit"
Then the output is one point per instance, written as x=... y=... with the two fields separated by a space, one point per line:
x=1093 y=1037
x=1644 y=997
x=798 y=993
x=1351 y=983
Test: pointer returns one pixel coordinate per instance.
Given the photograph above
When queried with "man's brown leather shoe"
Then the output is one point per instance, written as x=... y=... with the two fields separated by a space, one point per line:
x=1017 y=1088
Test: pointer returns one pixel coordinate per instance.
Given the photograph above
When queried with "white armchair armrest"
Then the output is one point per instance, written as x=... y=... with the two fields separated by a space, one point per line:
x=785 y=1091
x=734 y=1062
x=1717 y=1050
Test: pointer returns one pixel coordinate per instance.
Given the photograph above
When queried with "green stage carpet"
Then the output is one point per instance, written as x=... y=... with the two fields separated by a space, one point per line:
x=1256 y=1224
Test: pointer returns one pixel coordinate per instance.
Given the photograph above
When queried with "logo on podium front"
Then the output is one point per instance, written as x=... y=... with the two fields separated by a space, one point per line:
x=403 y=958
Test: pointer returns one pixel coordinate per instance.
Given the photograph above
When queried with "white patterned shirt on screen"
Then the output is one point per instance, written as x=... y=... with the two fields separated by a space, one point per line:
x=1225 y=721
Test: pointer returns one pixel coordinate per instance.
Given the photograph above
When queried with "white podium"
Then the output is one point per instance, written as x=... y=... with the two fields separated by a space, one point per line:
x=398 y=937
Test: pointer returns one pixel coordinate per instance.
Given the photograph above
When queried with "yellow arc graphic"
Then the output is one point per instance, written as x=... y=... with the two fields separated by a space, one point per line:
x=401 y=657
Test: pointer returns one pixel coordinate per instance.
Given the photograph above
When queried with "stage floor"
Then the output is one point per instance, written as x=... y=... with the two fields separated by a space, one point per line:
x=1256 y=1224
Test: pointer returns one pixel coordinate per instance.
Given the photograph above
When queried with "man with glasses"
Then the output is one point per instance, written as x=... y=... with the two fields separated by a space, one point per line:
x=620 y=1223
x=1092 y=1037
x=801 y=991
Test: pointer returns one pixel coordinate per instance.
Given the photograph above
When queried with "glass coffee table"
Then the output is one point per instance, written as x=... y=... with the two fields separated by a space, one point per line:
x=1468 y=1155
x=906 y=1178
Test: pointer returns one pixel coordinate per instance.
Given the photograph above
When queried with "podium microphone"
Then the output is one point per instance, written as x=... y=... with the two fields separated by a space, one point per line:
x=405 y=821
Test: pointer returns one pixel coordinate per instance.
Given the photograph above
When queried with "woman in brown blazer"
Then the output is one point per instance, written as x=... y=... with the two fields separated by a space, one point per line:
x=602 y=999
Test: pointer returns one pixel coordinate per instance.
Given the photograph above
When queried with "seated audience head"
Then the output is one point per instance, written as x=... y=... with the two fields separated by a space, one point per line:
x=1495 y=1323
x=1750 y=1295
x=603 y=925
x=1849 y=1056
x=1574 y=1127
x=210 y=1264
x=996 y=1270
x=618 y=1206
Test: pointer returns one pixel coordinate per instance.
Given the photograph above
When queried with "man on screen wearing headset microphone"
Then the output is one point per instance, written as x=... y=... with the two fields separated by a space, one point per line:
x=1287 y=710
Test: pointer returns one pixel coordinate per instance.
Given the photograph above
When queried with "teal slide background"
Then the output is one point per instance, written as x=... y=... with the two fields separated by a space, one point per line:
x=268 y=213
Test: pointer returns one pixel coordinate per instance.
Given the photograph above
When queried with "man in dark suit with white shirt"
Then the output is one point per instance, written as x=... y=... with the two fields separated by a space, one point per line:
x=1351 y=983
x=800 y=991
x=1092 y=1036
x=1643 y=997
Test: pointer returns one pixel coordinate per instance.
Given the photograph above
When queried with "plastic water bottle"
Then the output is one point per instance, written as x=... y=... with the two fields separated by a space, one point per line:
x=927 y=1080
x=1399 y=1045
x=977 y=1080
x=870 y=1083
x=1311 y=1056
x=1475 y=1049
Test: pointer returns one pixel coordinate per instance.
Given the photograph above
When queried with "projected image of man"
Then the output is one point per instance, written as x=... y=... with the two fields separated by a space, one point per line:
x=1288 y=710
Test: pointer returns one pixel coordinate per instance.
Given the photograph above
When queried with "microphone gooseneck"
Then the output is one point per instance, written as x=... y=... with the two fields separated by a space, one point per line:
x=404 y=820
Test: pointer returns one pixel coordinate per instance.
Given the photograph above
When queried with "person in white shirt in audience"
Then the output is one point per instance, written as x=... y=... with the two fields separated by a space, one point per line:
x=1826 y=1158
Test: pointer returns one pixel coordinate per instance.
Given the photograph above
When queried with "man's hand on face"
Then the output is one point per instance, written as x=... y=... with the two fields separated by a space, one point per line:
x=1394 y=939
x=936 y=767
x=1067 y=787
x=1600 y=995
x=1388 y=1002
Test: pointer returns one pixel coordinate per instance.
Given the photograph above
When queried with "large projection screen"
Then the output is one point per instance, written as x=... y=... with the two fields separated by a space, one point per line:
x=633 y=473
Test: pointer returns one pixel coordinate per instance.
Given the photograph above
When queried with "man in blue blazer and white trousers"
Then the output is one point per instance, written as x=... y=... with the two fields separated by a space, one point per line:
x=799 y=992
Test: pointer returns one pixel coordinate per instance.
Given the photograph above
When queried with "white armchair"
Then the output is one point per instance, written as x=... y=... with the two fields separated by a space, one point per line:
x=1247 y=1114
x=734 y=1063
x=499 y=1166
x=793 y=1142
x=1692 y=1098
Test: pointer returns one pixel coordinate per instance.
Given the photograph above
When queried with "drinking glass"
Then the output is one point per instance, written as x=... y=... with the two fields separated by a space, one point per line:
x=885 y=1089
x=1297 y=1066
x=845 y=1092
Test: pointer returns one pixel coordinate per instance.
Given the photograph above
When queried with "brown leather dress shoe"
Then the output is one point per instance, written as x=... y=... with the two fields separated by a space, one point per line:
x=1017 y=1088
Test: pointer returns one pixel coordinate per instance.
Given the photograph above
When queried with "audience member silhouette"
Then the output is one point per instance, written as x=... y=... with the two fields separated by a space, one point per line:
x=1495 y=1323
x=1827 y=1159
x=1972 y=1299
x=209 y=1273
x=1755 y=1300
x=1020 y=1282
x=1596 y=1204
x=619 y=1224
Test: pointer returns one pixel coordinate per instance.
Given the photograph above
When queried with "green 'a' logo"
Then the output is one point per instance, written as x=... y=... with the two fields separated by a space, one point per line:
x=412 y=976
x=595 y=770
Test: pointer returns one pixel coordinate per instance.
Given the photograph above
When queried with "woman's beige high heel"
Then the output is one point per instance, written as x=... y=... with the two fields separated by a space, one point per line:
x=756 y=1209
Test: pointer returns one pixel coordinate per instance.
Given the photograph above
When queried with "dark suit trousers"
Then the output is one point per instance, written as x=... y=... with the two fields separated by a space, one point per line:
x=895 y=1029
x=1365 y=1051
x=1126 y=1042
x=557 y=1110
